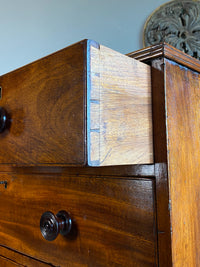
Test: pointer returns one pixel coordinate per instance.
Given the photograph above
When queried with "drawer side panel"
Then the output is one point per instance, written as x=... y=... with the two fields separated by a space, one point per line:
x=119 y=109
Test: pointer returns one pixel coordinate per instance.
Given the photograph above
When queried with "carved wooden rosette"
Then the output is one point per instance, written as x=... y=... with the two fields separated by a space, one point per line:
x=176 y=23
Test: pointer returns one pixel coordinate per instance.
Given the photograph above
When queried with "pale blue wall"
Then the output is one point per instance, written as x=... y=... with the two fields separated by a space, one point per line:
x=30 y=29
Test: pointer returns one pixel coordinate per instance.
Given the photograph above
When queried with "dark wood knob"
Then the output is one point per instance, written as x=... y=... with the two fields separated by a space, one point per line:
x=3 y=119
x=51 y=225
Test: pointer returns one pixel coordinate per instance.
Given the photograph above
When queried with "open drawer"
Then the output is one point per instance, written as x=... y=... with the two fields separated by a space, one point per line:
x=85 y=104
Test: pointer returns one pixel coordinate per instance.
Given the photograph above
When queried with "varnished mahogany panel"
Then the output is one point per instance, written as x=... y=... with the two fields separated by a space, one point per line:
x=45 y=102
x=113 y=219
x=113 y=171
x=176 y=144
x=176 y=120
x=165 y=50
x=183 y=139
x=5 y=262
x=161 y=168
x=14 y=258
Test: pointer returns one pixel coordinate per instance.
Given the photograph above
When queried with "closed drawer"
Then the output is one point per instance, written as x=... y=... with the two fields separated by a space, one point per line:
x=85 y=104
x=7 y=262
x=13 y=258
x=113 y=222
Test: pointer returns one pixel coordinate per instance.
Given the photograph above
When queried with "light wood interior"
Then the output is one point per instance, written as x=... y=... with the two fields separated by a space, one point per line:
x=119 y=109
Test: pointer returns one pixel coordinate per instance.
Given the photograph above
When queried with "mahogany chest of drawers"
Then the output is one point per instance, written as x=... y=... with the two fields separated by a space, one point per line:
x=99 y=159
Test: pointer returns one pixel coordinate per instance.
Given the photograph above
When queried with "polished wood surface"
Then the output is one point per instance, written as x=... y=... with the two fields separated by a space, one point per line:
x=14 y=258
x=45 y=101
x=178 y=184
x=113 y=219
x=183 y=125
x=165 y=50
x=122 y=172
x=160 y=158
x=120 y=117
x=7 y=262
x=176 y=120
x=164 y=254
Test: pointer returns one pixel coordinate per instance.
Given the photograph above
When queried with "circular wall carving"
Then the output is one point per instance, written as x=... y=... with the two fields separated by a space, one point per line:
x=176 y=23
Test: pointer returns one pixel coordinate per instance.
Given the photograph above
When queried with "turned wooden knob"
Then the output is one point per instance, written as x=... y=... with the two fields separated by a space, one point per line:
x=51 y=225
x=3 y=119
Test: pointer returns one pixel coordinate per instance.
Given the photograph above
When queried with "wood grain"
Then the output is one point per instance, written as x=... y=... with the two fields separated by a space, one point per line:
x=13 y=258
x=164 y=252
x=176 y=144
x=45 y=101
x=183 y=121
x=113 y=219
x=122 y=172
x=8 y=263
x=120 y=127
x=176 y=120
x=161 y=167
x=167 y=51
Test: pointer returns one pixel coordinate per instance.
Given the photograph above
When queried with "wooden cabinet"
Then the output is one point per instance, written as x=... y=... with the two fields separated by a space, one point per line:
x=112 y=140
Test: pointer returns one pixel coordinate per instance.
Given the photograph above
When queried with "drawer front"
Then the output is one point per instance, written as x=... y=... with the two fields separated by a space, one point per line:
x=112 y=219
x=45 y=105
x=4 y=262
x=13 y=258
